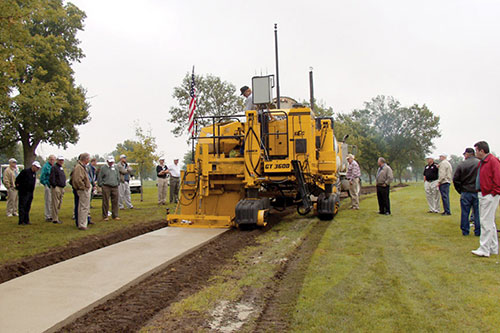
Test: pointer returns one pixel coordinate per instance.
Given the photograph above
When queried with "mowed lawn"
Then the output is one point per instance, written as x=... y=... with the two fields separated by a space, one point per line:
x=412 y=271
x=19 y=241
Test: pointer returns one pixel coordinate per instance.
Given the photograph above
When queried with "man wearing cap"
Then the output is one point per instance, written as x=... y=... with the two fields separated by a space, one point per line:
x=25 y=184
x=431 y=175
x=108 y=180
x=247 y=93
x=57 y=180
x=353 y=175
x=9 y=180
x=44 y=180
x=161 y=173
x=464 y=181
x=444 y=180
x=488 y=185
x=124 y=188
x=175 y=176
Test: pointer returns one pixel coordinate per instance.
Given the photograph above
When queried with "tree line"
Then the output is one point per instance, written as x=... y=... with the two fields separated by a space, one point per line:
x=403 y=135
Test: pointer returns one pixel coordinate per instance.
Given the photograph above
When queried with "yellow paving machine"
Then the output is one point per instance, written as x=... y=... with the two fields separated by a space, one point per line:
x=244 y=165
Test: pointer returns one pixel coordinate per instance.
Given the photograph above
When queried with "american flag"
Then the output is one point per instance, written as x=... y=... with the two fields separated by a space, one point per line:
x=192 y=105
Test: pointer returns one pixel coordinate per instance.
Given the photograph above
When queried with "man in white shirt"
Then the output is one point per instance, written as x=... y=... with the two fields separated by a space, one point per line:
x=247 y=92
x=175 y=175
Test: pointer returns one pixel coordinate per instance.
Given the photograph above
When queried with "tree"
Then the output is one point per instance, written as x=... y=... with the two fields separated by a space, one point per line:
x=214 y=98
x=39 y=101
x=405 y=133
x=356 y=124
x=140 y=151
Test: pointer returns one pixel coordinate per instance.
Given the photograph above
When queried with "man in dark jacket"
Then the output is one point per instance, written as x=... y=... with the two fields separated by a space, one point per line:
x=488 y=183
x=57 y=182
x=464 y=181
x=25 y=184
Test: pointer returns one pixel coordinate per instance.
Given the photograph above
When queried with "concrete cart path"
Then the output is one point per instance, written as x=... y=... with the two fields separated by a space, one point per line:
x=53 y=296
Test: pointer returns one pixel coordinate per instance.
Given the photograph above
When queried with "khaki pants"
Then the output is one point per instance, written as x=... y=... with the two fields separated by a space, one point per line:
x=83 y=207
x=124 y=194
x=107 y=193
x=48 y=202
x=162 y=190
x=57 y=197
x=174 y=189
x=354 y=190
x=432 y=195
x=488 y=241
x=12 y=202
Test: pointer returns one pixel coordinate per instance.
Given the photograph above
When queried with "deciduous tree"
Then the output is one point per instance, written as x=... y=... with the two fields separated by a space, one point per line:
x=39 y=100
x=214 y=98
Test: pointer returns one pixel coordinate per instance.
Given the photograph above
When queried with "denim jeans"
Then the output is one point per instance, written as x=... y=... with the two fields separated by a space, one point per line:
x=468 y=201
x=444 y=189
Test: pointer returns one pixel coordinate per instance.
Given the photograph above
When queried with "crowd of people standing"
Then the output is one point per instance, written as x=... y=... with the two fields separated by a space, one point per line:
x=112 y=179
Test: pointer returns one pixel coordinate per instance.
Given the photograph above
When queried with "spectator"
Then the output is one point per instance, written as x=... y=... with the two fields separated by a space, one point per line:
x=464 y=181
x=45 y=181
x=353 y=176
x=81 y=183
x=109 y=180
x=91 y=170
x=161 y=173
x=431 y=175
x=9 y=180
x=383 y=180
x=488 y=183
x=25 y=184
x=57 y=182
x=444 y=180
x=124 y=188
x=175 y=175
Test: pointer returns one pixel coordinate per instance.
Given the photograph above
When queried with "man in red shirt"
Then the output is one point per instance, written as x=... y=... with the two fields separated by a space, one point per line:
x=488 y=185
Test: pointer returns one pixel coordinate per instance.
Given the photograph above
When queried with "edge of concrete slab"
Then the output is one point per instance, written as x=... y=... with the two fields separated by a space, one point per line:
x=120 y=290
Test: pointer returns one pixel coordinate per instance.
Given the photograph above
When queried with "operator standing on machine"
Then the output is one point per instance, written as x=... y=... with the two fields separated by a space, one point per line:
x=247 y=92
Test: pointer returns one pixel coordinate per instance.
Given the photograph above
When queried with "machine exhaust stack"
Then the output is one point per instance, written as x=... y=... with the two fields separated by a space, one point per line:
x=277 y=66
x=311 y=88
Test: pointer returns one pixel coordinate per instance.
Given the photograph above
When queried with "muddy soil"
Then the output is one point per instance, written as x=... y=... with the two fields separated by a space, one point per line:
x=129 y=311
x=75 y=248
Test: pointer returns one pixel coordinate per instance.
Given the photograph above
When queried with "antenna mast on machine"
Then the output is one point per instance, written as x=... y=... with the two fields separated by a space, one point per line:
x=278 y=104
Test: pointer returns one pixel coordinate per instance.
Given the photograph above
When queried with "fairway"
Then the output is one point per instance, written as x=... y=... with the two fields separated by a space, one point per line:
x=412 y=271
x=21 y=241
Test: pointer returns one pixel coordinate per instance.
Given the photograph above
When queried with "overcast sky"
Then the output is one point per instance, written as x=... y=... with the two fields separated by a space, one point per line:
x=445 y=54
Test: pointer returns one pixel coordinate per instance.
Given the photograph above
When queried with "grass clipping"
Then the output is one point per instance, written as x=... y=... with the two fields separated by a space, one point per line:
x=233 y=298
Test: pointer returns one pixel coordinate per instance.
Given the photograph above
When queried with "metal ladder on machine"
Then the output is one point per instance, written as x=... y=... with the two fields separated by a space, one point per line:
x=303 y=189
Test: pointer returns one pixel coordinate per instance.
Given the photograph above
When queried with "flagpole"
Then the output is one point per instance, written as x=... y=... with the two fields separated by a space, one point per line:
x=192 y=136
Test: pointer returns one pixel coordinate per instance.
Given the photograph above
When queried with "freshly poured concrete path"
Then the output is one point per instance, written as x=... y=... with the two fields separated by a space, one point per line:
x=51 y=297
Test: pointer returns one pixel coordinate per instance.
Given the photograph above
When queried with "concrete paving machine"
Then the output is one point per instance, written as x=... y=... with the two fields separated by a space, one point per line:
x=270 y=157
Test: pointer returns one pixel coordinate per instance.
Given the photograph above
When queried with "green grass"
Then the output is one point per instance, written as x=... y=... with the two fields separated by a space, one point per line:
x=411 y=271
x=21 y=241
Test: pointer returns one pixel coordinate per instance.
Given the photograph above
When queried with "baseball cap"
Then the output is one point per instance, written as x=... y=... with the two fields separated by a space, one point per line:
x=110 y=159
x=37 y=164
x=60 y=158
x=469 y=150
x=162 y=159
x=443 y=154
x=12 y=160
x=243 y=89
x=123 y=156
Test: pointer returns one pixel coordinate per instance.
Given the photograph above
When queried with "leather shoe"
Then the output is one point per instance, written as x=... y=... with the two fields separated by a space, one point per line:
x=57 y=222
